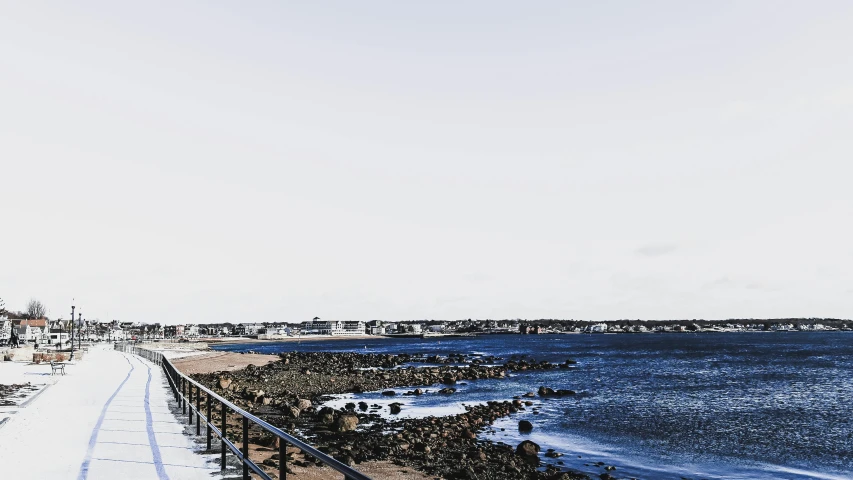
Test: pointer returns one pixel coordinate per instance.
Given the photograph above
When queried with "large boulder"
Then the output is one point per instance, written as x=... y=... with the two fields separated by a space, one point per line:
x=545 y=391
x=346 y=423
x=303 y=404
x=528 y=451
x=224 y=383
x=326 y=416
x=524 y=426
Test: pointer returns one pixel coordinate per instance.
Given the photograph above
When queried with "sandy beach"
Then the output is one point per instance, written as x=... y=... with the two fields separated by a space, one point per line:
x=302 y=338
x=210 y=362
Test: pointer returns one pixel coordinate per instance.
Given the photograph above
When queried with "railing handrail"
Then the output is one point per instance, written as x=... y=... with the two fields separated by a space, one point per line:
x=160 y=359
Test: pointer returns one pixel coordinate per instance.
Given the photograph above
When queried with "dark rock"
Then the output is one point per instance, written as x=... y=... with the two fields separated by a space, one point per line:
x=346 y=423
x=545 y=391
x=528 y=451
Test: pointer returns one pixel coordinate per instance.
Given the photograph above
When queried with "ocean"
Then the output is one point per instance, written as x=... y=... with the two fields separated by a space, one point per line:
x=661 y=406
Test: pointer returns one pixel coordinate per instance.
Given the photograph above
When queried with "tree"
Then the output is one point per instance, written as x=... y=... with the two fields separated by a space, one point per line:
x=36 y=309
x=2 y=307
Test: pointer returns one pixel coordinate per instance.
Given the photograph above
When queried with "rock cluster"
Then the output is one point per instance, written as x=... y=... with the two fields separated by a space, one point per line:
x=445 y=447
x=309 y=375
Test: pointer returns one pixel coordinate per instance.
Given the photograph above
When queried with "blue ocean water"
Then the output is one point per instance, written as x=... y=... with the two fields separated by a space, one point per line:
x=715 y=406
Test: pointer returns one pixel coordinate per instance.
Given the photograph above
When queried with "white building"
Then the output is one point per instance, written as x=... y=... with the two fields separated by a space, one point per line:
x=279 y=330
x=336 y=327
x=596 y=328
x=191 y=331
x=56 y=337
x=248 y=328
x=5 y=330
x=27 y=333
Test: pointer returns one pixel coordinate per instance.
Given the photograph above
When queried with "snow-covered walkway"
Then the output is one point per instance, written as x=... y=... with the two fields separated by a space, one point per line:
x=107 y=419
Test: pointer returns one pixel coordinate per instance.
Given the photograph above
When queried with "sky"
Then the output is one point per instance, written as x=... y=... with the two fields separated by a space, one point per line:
x=215 y=161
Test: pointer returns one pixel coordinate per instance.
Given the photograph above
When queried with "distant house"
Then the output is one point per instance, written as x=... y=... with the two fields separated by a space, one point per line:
x=596 y=328
x=5 y=330
x=174 y=331
x=57 y=336
x=530 y=329
x=278 y=330
x=246 y=329
x=191 y=331
x=31 y=330
x=24 y=333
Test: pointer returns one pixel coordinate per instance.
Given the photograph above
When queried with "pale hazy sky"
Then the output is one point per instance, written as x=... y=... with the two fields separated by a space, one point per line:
x=251 y=161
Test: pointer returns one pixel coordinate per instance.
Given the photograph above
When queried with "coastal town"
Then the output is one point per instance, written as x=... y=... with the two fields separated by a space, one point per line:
x=46 y=332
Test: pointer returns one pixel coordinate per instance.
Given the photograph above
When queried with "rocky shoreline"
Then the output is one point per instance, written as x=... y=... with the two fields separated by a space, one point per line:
x=289 y=392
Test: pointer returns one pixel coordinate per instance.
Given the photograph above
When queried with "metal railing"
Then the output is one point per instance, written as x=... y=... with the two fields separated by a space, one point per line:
x=182 y=387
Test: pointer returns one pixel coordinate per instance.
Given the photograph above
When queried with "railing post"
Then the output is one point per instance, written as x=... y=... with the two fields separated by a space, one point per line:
x=198 y=410
x=190 y=416
x=174 y=382
x=223 y=436
x=183 y=396
x=209 y=422
x=245 y=448
x=282 y=459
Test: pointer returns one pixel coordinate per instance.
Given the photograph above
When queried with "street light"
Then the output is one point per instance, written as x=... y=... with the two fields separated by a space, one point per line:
x=79 y=322
x=71 y=328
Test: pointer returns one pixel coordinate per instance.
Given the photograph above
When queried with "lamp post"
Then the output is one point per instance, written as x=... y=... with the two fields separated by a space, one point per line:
x=79 y=324
x=59 y=342
x=71 y=328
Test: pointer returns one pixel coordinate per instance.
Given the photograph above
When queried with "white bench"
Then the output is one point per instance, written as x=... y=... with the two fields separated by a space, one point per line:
x=56 y=366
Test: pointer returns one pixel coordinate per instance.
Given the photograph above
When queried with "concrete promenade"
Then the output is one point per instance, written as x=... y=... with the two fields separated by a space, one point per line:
x=108 y=418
